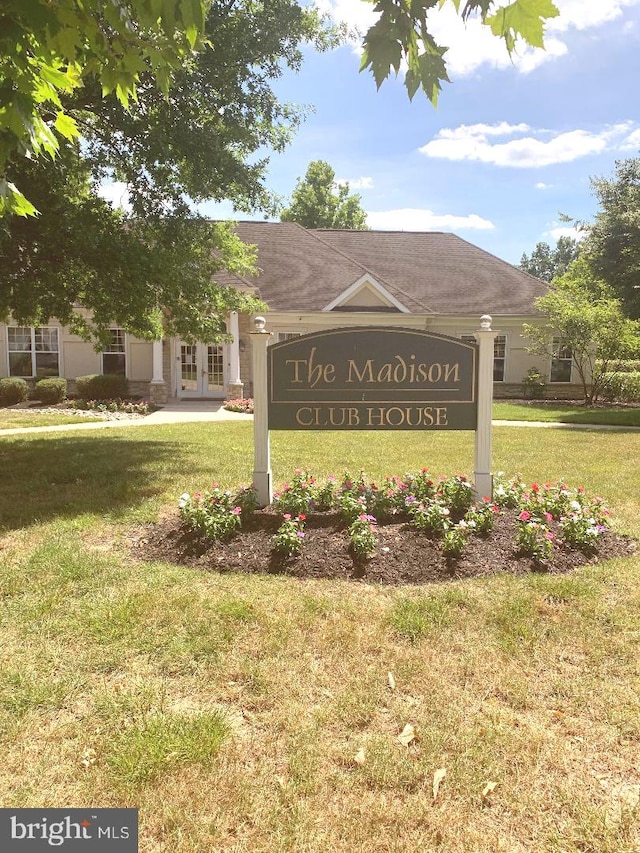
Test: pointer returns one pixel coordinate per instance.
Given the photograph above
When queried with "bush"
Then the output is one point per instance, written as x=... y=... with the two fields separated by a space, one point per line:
x=12 y=391
x=105 y=386
x=533 y=384
x=629 y=365
x=130 y=407
x=51 y=391
x=623 y=387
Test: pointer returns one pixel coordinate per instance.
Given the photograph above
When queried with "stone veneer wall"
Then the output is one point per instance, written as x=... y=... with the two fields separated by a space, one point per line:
x=515 y=391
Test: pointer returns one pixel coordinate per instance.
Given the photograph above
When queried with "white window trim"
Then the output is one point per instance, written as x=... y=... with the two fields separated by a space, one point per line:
x=470 y=335
x=568 y=381
x=32 y=329
x=126 y=353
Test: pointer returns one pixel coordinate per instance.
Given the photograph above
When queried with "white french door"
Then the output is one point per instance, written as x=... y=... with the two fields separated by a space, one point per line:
x=201 y=370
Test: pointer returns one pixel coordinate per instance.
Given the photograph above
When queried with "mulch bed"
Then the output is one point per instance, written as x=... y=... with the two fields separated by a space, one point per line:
x=404 y=555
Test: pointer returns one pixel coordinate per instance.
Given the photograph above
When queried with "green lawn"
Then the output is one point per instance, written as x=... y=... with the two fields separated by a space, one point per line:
x=18 y=418
x=558 y=413
x=506 y=411
x=264 y=706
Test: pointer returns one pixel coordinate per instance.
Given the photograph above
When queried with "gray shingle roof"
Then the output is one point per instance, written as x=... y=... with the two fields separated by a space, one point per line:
x=428 y=272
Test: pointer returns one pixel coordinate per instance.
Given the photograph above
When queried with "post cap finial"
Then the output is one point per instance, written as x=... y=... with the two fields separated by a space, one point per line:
x=259 y=324
x=485 y=321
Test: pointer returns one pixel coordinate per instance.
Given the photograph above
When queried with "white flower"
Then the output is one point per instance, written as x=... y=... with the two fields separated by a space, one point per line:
x=575 y=505
x=184 y=500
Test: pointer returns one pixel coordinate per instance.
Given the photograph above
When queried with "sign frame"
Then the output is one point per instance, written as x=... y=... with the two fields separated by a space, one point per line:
x=482 y=383
x=372 y=377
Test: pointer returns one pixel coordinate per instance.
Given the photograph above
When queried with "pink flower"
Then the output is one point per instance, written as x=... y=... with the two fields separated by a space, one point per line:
x=548 y=516
x=287 y=516
x=549 y=535
x=236 y=510
x=524 y=515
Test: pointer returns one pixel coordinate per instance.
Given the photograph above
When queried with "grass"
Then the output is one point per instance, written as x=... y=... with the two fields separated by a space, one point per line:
x=20 y=418
x=246 y=700
x=550 y=412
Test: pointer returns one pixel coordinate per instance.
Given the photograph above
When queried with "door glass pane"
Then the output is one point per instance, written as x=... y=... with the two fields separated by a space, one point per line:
x=188 y=368
x=215 y=368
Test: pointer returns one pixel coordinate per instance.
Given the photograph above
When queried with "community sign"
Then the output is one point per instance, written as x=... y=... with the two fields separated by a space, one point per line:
x=371 y=378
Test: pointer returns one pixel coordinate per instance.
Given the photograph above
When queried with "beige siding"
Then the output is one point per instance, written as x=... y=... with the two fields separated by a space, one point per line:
x=366 y=297
x=78 y=358
x=140 y=358
x=4 y=355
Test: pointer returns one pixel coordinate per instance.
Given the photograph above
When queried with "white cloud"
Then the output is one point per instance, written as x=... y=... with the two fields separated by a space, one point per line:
x=542 y=186
x=537 y=148
x=586 y=14
x=116 y=193
x=565 y=231
x=356 y=183
x=631 y=142
x=473 y=45
x=421 y=219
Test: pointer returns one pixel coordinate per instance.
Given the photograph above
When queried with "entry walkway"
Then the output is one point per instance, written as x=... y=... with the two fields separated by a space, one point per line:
x=191 y=411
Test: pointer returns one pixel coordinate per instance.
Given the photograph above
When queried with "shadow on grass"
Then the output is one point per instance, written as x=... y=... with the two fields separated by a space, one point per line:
x=44 y=480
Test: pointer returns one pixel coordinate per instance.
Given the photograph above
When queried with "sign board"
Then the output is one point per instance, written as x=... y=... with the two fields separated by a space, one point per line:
x=372 y=377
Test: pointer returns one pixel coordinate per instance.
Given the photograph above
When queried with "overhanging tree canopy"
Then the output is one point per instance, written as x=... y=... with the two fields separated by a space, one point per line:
x=198 y=144
x=201 y=110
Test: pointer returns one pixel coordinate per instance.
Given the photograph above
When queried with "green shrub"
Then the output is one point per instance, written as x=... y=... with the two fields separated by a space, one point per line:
x=626 y=366
x=623 y=387
x=533 y=384
x=12 y=391
x=51 y=391
x=105 y=386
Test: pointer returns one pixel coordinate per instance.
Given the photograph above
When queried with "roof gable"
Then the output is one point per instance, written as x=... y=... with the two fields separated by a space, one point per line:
x=366 y=294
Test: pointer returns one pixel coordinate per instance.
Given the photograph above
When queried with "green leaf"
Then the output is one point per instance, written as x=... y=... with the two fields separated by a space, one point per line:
x=382 y=51
x=524 y=19
x=66 y=126
x=12 y=201
x=58 y=78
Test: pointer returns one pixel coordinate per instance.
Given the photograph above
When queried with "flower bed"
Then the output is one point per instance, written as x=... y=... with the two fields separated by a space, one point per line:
x=408 y=529
x=244 y=406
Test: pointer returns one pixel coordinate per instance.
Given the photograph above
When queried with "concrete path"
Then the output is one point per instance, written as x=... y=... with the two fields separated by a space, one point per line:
x=191 y=411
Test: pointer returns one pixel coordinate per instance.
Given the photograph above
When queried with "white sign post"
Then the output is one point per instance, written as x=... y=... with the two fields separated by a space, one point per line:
x=482 y=477
x=261 y=447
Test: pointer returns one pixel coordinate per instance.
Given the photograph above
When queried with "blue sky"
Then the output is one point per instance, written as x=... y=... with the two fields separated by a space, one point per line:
x=511 y=144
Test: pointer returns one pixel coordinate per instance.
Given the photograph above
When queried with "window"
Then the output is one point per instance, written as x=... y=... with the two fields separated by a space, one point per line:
x=114 y=357
x=33 y=351
x=499 y=357
x=499 y=354
x=561 y=361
